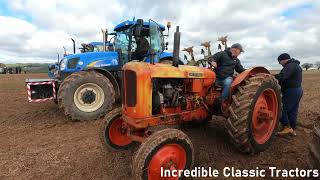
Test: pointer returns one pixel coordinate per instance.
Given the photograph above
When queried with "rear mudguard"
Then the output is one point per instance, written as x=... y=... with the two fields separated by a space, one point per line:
x=245 y=74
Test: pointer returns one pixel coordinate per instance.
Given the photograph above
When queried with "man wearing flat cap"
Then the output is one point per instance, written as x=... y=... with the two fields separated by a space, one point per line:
x=226 y=62
x=290 y=78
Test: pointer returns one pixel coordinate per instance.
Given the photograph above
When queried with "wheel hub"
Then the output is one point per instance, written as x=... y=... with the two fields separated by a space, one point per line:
x=118 y=133
x=171 y=157
x=264 y=116
x=88 y=96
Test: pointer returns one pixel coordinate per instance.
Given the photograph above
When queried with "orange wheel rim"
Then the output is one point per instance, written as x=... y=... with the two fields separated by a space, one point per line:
x=169 y=157
x=265 y=115
x=118 y=134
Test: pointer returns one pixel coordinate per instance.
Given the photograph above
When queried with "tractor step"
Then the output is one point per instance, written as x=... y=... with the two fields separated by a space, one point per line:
x=40 y=90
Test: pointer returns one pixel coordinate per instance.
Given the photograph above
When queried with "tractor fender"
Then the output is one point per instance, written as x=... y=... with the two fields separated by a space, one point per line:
x=247 y=73
x=111 y=78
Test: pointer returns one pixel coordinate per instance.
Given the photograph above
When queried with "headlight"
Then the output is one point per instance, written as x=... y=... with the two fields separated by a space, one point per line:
x=63 y=64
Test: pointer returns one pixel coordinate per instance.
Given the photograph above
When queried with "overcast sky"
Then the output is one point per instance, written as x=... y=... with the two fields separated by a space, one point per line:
x=35 y=30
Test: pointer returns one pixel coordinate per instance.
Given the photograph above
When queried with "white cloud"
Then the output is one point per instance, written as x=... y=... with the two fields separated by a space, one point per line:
x=259 y=25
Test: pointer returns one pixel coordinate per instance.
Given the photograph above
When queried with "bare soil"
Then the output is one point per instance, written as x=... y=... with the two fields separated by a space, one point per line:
x=38 y=142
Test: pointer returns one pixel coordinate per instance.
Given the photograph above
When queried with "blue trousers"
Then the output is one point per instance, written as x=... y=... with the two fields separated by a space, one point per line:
x=225 y=83
x=290 y=102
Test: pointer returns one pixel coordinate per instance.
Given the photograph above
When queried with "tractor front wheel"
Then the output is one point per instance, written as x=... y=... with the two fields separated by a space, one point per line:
x=168 y=149
x=86 y=95
x=114 y=132
x=254 y=113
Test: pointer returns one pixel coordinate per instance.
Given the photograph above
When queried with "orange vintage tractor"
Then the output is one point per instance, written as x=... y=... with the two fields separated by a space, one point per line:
x=157 y=96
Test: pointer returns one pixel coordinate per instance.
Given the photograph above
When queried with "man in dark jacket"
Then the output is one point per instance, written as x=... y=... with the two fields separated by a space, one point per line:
x=226 y=62
x=290 y=78
x=142 y=48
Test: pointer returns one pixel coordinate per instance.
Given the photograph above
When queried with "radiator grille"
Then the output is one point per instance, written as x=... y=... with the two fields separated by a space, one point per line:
x=130 y=88
x=72 y=63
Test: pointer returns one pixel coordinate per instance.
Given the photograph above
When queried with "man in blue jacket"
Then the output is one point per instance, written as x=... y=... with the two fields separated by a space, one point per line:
x=290 y=78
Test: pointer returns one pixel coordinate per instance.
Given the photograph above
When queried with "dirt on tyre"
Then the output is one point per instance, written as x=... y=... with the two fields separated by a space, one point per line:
x=314 y=149
x=114 y=133
x=254 y=113
x=170 y=149
x=86 y=95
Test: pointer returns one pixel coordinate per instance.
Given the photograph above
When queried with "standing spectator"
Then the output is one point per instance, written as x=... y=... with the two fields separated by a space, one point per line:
x=290 y=78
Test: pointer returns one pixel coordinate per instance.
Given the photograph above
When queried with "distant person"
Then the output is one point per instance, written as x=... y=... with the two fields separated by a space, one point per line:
x=290 y=78
x=20 y=70
x=142 y=48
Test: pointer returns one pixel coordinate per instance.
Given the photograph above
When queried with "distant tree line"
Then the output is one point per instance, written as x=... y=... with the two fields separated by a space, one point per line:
x=310 y=65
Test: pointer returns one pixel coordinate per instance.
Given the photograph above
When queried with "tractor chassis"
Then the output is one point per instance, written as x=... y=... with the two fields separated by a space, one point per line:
x=137 y=129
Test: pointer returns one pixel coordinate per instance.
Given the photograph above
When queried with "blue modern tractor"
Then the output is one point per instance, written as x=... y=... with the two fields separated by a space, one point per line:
x=89 y=84
x=96 y=47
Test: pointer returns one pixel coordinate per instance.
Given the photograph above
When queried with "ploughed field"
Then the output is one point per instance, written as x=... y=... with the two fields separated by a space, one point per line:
x=37 y=141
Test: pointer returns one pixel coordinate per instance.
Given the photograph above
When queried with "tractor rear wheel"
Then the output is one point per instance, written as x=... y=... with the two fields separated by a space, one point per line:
x=168 y=149
x=114 y=133
x=254 y=113
x=86 y=95
x=314 y=148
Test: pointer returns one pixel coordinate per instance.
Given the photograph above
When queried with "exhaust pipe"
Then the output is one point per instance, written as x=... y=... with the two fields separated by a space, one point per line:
x=58 y=58
x=65 y=51
x=105 y=39
x=176 y=47
x=74 y=46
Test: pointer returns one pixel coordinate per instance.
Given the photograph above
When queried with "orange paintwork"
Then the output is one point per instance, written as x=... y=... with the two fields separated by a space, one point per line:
x=199 y=98
x=170 y=110
x=167 y=119
x=196 y=85
x=244 y=75
x=146 y=72
x=197 y=80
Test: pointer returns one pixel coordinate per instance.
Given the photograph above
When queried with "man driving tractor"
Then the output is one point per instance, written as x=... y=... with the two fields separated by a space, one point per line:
x=226 y=62
x=142 y=48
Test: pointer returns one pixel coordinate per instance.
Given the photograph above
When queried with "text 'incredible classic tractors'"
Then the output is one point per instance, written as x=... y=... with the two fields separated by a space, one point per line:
x=156 y=96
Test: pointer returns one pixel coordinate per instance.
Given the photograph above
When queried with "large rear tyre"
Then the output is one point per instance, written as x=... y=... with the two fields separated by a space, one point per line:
x=86 y=95
x=169 y=149
x=314 y=149
x=254 y=113
x=114 y=133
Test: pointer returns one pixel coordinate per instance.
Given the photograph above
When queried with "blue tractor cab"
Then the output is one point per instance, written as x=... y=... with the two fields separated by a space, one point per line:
x=89 y=83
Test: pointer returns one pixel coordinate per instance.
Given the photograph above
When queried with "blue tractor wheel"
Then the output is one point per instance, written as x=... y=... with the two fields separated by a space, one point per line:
x=86 y=95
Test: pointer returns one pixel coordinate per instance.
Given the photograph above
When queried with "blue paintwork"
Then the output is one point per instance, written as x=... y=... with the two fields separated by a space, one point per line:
x=108 y=60
x=166 y=54
x=126 y=24
x=162 y=55
x=51 y=73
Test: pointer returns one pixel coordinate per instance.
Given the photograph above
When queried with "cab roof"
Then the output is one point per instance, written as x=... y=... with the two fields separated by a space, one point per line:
x=126 y=24
x=100 y=43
